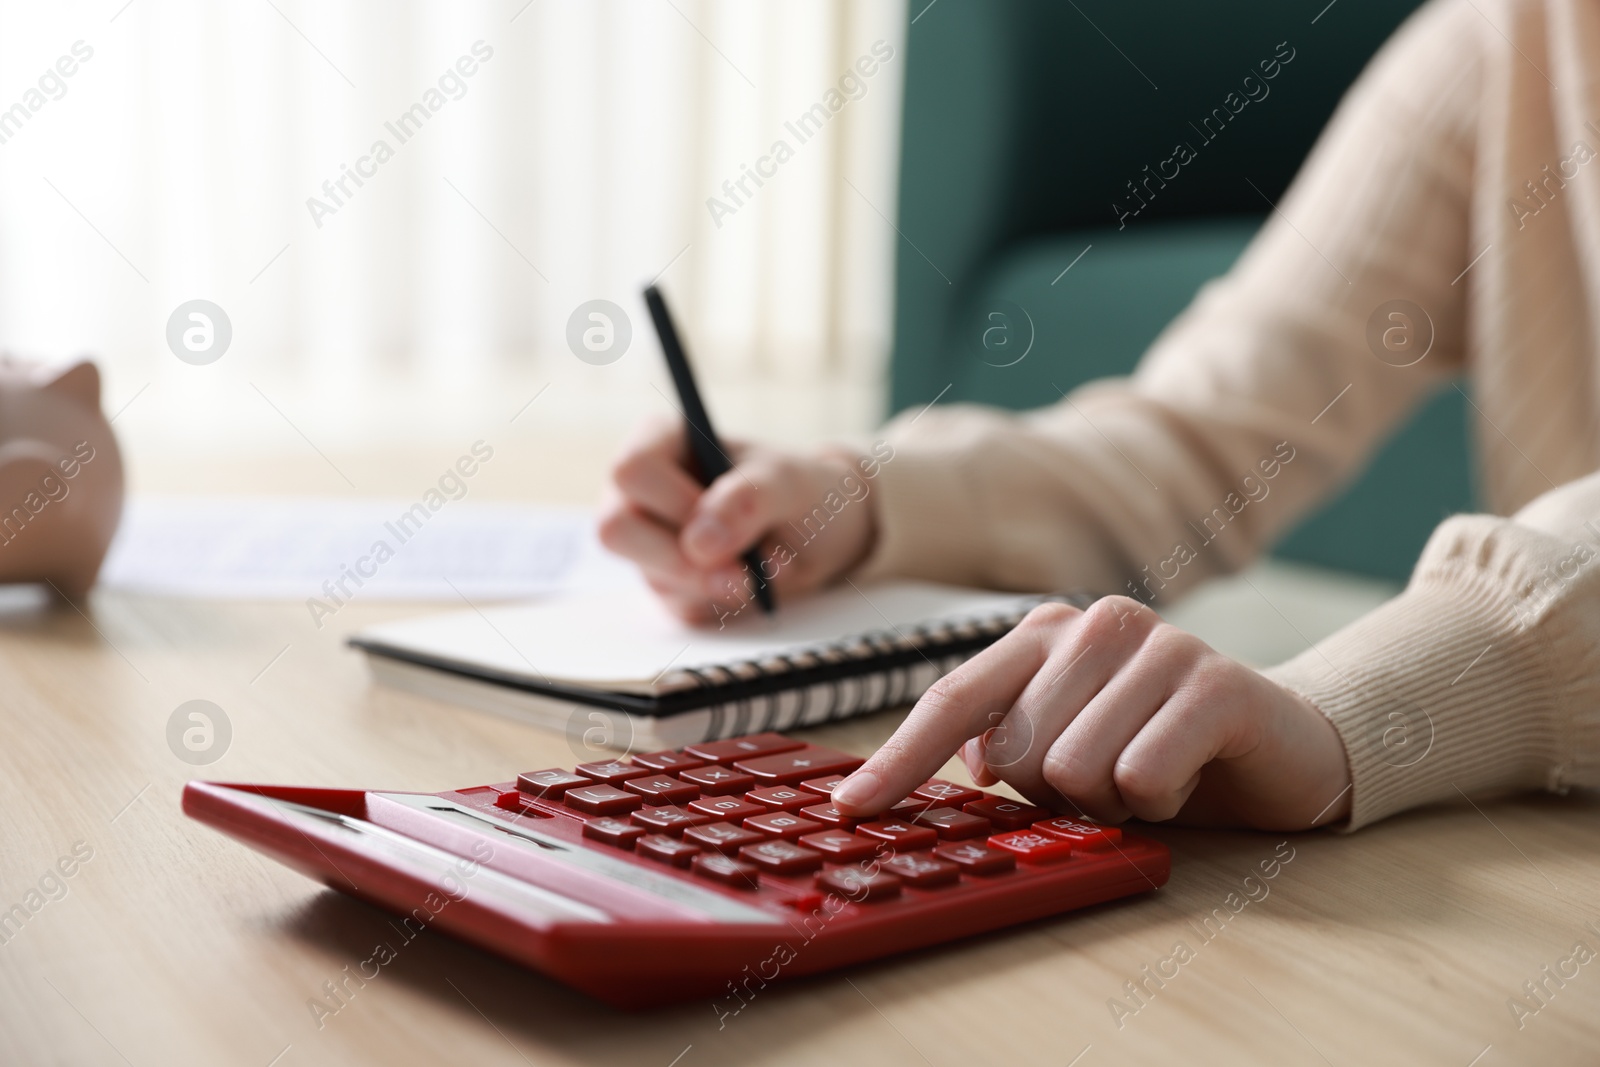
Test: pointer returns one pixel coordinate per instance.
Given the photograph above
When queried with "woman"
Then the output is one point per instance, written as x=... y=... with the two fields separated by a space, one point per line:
x=1456 y=177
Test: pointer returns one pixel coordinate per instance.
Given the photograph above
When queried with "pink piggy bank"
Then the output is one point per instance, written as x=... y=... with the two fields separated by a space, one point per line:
x=60 y=475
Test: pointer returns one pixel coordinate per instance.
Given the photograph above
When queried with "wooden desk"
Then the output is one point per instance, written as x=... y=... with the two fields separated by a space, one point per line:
x=174 y=945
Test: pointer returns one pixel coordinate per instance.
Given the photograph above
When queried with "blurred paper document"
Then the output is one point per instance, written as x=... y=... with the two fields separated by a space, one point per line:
x=295 y=547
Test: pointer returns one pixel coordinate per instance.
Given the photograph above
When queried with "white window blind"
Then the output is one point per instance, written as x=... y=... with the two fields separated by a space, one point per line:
x=533 y=156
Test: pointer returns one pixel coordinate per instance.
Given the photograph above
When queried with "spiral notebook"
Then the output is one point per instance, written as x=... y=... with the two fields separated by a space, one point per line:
x=614 y=668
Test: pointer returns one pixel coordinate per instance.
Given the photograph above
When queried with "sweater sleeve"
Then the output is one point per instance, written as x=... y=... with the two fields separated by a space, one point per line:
x=1263 y=397
x=1484 y=674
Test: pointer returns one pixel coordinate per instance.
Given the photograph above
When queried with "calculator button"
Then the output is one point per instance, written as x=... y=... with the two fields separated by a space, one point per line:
x=859 y=886
x=824 y=785
x=601 y=800
x=663 y=789
x=952 y=824
x=612 y=772
x=842 y=847
x=517 y=801
x=943 y=792
x=1030 y=846
x=781 y=797
x=909 y=808
x=1080 y=833
x=613 y=832
x=551 y=783
x=733 y=809
x=781 y=857
x=742 y=747
x=789 y=768
x=977 y=858
x=902 y=835
x=922 y=871
x=720 y=781
x=732 y=872
x=667 y=849
x=1005 y=813
x=828 y=814
x=668 y=761
x=722 y=836
x=781 y=824
x=668 y=818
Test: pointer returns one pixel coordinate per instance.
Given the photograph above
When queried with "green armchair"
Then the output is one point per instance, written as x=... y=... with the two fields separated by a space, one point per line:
x=1025 y=123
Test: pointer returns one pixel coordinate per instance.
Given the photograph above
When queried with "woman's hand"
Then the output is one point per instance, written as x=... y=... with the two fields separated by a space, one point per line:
x=1111 y=712
x=810 y=518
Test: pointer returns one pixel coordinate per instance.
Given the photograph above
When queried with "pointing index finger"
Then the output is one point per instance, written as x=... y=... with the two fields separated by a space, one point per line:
x=960 y=706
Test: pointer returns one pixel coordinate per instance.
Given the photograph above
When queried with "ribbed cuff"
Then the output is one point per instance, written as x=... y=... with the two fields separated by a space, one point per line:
x=1451 y=688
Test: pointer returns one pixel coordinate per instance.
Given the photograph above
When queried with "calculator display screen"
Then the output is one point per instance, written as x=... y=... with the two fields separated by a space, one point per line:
x=548 y=847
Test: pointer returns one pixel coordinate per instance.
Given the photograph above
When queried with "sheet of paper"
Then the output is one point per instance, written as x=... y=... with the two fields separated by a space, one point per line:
x=294 y=548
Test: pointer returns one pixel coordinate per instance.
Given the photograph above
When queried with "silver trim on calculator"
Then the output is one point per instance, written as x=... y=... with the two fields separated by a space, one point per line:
x=551 y=848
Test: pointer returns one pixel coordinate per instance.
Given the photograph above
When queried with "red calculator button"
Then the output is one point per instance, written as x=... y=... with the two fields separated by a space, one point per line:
x=909 y=808
x=667 y=849
x=663 y=789
x=782 y=824
x=601 y=800
x=1080 y=833
x=922 y=871
x=1030 y=846
x=828 y=814
x=669 y=761
x=517 y=801
x=824 y=785
x=612 y=772
x=952 y=824
x=781 y=797
x=668 y=819
x=722 y=836
x=842 y=847
x=902 y=835
x=551 y=783
x=781 y=857
x=790 y=768
x=943 y=792
x=859 y=886
x=720 y=781
x=733 y=809
x=976 y=858
x=732 y=872
x=1005 y=813
x=613 y=832
x=741 y=747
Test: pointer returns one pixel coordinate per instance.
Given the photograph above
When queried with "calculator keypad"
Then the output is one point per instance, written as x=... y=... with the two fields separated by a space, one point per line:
x=781 y=797
x=662 y=789
x=612 y=772
x=782 y=824
x=842 y=847
x=549 y=783
x=755 y=813
x=601 y=800
x=719 y=781
x=667 y=849
x=731 y=808
x=1081 y=834
x=722 y=836
x=902 y=835
x=667 y=819
x=794 y=767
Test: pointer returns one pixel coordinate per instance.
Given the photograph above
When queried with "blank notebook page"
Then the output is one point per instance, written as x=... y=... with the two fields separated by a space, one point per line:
x=624 y=641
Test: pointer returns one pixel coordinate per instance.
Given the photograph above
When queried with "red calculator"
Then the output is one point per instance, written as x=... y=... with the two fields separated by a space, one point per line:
x=708 y=871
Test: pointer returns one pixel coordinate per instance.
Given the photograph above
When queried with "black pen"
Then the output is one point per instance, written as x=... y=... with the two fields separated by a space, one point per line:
x=710 y=461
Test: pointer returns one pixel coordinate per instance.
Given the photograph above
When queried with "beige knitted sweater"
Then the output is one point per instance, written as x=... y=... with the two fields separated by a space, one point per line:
x=1458 y=174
